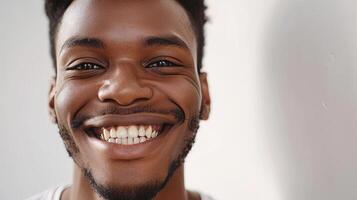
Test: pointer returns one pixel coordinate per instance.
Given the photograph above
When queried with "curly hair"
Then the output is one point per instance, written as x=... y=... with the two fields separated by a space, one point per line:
x=195 y=10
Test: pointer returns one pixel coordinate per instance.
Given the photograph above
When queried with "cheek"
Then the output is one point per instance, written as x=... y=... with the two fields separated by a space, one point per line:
x=185 y=92
x=70 y=98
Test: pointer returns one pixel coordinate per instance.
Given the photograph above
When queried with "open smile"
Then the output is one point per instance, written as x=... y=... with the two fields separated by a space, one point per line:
x=128 y=137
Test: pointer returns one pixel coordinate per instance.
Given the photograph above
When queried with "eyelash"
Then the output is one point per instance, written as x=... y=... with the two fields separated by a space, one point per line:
x=162 y=63
x=86 y=66
x=93 y=66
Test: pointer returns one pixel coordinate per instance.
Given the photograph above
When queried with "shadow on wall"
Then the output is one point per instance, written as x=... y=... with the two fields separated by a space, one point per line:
x=310 y=97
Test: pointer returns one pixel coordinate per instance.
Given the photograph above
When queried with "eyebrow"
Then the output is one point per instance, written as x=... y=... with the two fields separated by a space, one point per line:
x=169 y=40
x=84 y=42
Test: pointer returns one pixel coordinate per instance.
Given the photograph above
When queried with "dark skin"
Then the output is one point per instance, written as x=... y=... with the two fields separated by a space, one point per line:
x=127 y=54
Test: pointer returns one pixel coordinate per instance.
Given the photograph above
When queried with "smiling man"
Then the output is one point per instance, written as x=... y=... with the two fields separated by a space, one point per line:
x=128 y=95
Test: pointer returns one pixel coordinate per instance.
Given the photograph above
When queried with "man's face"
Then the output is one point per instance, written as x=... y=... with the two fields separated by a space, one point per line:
x=125 y=67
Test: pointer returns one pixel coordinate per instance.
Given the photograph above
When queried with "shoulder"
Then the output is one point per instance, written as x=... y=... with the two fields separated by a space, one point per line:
x=199 y=195
x=50 y=194
x=205 y=197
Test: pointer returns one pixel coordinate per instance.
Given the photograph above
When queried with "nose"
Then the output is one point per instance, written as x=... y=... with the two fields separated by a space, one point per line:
x=123 y=86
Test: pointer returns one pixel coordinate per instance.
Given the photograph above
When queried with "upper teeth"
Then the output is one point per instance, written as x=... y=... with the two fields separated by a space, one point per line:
x=129 y=134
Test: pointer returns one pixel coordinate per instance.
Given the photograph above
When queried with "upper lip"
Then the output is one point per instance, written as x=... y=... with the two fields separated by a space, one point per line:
x=127 y=120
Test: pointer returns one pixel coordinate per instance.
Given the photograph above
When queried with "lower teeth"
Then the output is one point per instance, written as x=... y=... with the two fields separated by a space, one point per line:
x=128 y=141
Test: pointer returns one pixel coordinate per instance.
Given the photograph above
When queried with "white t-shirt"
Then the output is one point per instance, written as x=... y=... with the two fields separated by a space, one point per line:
x=55 y=194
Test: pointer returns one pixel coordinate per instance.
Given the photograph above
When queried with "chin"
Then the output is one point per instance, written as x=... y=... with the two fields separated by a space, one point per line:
x=126 y=176
x=115 y=177
x=119 y=188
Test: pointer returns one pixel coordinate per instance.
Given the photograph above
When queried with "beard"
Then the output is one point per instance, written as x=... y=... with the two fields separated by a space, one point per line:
x=146 y=191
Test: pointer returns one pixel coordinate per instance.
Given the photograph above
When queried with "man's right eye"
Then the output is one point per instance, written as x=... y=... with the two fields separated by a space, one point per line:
x=86 y=66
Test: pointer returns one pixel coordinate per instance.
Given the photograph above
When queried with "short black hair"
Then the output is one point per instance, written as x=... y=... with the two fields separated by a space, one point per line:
x=195 y=9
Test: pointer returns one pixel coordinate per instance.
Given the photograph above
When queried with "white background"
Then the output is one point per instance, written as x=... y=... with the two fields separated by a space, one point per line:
x=283 y=93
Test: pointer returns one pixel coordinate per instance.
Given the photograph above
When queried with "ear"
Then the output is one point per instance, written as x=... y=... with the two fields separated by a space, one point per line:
x=51 y=100
x=206 y=99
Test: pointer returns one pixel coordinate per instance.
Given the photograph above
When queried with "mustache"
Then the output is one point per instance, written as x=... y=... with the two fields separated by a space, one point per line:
x=79 y=119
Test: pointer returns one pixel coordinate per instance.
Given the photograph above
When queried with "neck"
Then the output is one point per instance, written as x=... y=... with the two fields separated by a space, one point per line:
x=81 y=190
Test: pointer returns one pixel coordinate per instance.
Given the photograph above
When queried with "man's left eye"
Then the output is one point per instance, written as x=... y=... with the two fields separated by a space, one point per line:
x=161 y=63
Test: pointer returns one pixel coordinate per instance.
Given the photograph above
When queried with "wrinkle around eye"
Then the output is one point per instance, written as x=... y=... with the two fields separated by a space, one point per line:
x=81 y=74
x=196 y=85
x=188 y=76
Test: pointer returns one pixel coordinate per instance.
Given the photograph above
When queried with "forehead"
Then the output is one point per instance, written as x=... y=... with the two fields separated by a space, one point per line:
x=116 y=21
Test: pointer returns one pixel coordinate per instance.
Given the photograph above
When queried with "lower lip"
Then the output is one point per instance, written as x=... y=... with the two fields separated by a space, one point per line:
x=128 y=152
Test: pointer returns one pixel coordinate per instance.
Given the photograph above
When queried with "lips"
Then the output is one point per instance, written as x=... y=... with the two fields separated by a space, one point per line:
x=112 y=145
x=129 y=129
x=128 y=135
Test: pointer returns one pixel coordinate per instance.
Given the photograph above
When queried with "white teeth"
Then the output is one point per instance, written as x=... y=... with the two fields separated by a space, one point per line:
x=141 y=131
x=106 y=134
x=148 y=132
x=128 y=135
x=136 y=140
x=113 y=133
x=154 y=134
x=122 y=133
x=142 y=139
x=133 y=132
x=130 y=140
